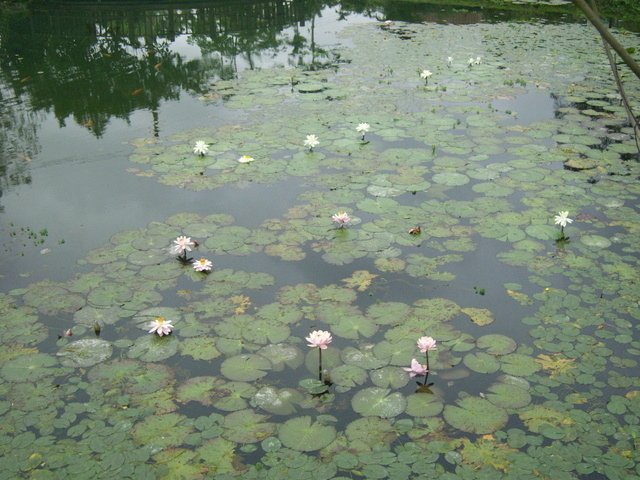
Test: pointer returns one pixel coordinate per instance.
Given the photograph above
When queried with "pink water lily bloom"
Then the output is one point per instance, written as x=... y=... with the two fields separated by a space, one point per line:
x=320 y=339
x=341 y=218
x=426 y=344
x=202 y=265
x=416 y=368
x=161 y=326
x=181 y=245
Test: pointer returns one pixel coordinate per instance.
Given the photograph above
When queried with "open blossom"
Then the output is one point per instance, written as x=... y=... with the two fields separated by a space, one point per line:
x=425 y=74
x=341 y=218
x=416 y=368
x=449 y=61
x=202 y=265
x=246 y=159
x=161 y=326
x=201 y=148
x=311 y=141
x=471 y=61
x=426 y=344
x=320 y=339
x=562 y=219
x=363 y=128
x=181 y=245
x=478 y=60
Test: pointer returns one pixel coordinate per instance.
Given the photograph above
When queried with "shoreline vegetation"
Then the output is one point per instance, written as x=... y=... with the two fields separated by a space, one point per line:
x=614 y=11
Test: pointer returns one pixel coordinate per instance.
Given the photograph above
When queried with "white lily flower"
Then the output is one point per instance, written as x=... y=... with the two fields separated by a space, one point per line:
x=311 y=141
x=201 y=148
x=562 y=219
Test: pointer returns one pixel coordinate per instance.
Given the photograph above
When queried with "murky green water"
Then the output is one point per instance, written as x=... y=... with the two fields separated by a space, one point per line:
x=535 y=372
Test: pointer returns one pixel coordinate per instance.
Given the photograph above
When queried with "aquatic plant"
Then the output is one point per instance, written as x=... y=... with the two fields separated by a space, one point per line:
x=563 y=220
x=161 y=326
x=246 y=159
x=363 y=128
x=341 y=218
x=201 y=148
x=182 y=245
x=425 y=74
x=202 y=265
x=425 y=345
x=319 y=339
x=311 y=141
x=416 y=368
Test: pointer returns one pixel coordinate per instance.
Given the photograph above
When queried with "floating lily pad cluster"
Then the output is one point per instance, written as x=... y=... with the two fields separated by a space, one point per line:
x=537 y=377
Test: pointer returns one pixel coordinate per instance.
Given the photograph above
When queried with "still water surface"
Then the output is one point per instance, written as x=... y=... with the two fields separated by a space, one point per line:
x=101 y=106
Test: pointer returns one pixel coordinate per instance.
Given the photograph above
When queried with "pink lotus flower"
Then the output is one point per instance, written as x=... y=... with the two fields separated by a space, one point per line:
x=416 y=368
x=202 y=265
x=181 y=245
x=161 y=326
x=319 y=338
x=341 y=218
x=426 y=344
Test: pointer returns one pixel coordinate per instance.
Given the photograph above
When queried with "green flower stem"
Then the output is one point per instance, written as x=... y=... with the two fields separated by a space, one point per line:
x=320 y=364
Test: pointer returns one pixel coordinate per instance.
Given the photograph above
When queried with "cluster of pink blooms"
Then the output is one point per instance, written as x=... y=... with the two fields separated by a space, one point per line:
x=181 y=245
x=425 y=345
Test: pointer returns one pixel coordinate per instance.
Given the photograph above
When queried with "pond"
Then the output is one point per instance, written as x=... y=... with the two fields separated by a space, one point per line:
x=391 y=176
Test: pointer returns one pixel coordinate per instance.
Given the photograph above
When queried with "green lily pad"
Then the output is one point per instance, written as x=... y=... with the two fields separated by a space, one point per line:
x=161 y=431
x=200 y=389
x=281 y=355
x=392 y=377
x=481 y=362
x=424 y=405
x=450 y=179
x=85 y=353
x=89 y=316
x=29 y=368
x=362 y=358
x=233 y=396
x=219 y=458
x=246 y=426
x=496 y=344
x=132 y=376
x=595 y=241
x=479 y=316
x=153 y=348
x=279 y=402
x=304 y=435
x=388 y=313
x=519 y=365
x=542 y=232
x=200 y=348
x=379 y=402
x=475 y=415
x=507 y=395
x=347 y=376
x=245 y=368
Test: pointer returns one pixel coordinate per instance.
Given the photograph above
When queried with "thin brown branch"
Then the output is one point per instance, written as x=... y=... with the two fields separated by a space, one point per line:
x=608 y=37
